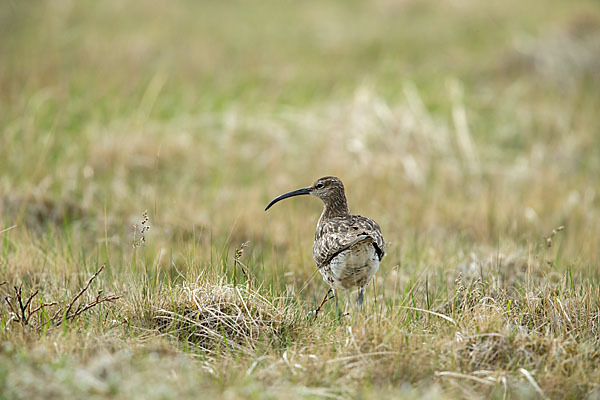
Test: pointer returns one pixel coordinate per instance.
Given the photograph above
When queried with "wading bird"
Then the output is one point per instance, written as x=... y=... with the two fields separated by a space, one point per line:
x=347 y=248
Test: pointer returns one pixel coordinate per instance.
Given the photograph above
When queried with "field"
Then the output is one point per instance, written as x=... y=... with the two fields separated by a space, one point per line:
x=469 y=130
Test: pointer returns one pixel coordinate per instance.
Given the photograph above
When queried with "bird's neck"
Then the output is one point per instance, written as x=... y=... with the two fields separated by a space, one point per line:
x=335 y=207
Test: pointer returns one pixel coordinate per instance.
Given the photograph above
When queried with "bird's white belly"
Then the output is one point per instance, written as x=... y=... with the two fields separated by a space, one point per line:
x=353 y=267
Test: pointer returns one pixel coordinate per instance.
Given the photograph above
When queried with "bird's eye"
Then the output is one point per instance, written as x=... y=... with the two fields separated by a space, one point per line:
x=319 y=186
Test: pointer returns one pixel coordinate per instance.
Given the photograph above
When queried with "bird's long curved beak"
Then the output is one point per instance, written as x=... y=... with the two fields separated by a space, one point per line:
x=298 y=192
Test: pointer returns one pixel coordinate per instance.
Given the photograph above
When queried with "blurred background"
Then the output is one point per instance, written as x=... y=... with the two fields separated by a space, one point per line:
x=465 y=128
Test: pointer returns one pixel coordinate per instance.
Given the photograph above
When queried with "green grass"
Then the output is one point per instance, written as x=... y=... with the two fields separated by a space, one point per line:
x=469 y=131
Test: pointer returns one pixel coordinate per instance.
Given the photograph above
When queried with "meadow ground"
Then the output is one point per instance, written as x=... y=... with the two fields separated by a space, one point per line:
x=469 y=130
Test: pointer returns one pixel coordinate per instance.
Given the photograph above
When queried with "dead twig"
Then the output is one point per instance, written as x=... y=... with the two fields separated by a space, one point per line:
x=19 y=308
x=10 y=305
x=94 y=303
x=25 y=311
x=54 y=303
x=89 y=282
x=22 y=312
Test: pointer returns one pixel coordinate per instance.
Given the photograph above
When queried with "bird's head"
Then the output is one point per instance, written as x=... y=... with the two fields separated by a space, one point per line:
x=328 y=188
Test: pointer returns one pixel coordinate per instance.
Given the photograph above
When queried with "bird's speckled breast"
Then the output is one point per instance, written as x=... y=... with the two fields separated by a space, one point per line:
x=352 y=267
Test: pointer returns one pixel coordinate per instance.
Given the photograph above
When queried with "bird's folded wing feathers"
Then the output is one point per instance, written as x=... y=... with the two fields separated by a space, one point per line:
x=339 y=234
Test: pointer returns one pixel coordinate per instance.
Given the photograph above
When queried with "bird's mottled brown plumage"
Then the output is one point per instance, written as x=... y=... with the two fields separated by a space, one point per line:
x=337 y=234
x=347 y=248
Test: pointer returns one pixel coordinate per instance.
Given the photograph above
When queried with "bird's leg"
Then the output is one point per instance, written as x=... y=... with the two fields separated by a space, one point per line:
x=324 y=301
x=339 y=309
x=360 y=298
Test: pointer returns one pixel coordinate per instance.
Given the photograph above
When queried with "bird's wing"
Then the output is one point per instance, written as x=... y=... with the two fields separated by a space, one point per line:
x=340 y=233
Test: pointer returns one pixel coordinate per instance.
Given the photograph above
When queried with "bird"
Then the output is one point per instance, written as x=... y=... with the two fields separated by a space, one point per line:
x=347 y=248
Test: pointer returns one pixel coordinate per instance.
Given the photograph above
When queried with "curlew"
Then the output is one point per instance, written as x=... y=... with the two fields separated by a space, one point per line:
x=347 y=248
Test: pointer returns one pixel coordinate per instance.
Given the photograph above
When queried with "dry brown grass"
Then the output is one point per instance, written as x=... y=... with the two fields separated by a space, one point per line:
x=216 y=316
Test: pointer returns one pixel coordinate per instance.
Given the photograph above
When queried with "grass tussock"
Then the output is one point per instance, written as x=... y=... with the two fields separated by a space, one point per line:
x=214 y=317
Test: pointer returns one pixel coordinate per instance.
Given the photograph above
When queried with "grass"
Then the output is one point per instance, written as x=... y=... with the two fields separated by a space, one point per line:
x=469 y=131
